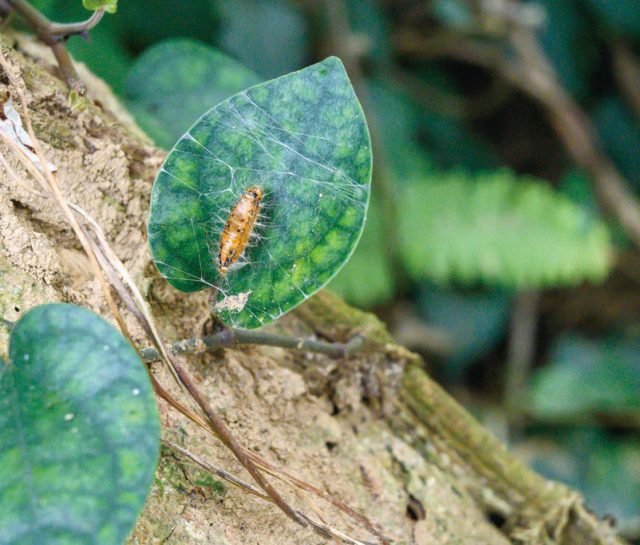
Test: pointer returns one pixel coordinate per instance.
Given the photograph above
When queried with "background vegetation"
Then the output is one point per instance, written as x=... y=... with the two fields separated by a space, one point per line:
x=486 y=247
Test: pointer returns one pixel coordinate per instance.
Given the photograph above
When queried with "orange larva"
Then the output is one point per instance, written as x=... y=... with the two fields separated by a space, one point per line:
x=238 y=228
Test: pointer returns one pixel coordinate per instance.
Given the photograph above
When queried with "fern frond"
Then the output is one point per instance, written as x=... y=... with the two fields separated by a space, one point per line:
x=499 y=229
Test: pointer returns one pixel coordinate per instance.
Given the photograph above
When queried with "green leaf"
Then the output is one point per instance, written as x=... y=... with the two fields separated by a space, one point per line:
x=110 y=6
x=367 y=279
x=499 y=230
x=172 y=82
x=587 y=376
x=303 y=139
x=80 y=431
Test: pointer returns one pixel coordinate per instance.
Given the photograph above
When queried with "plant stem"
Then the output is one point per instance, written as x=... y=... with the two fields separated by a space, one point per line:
x=64 y=30
x=521 y=354
x=54 y=34
x=230 y=338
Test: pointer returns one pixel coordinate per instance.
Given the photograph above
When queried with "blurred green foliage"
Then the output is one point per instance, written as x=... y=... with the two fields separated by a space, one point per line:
x=587 y=377
x=168 y=84
x=473 y=197
x=498 y=230
x=476 y=320
x=602 y=465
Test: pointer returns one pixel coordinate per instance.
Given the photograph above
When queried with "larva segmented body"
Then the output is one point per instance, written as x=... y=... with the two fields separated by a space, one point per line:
x=238 y=228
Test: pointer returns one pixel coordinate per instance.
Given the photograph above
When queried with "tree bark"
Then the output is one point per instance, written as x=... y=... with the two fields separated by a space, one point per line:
x=374 y=431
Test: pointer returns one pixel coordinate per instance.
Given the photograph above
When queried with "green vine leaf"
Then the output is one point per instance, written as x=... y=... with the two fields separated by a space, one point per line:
x=171 y=81
x=80 y=431
x=110 y=6
x=370 y=260
x=498 y=229
x=303 y=139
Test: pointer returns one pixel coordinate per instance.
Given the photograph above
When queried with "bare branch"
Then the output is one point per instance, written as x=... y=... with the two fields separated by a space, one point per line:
x=230 y=338
x=54 y=35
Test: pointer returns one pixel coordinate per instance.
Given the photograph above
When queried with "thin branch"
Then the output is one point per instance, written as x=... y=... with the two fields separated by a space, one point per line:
x=320 y=527
x=225 y=435
x=67 y=69
x=64 y=30
x=219 y=472
x=49 y=31
x=231 y=338
x=54 y=34
x=49 y=183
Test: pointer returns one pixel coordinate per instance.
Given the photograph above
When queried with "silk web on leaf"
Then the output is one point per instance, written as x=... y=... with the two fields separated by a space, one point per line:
x=303 y=139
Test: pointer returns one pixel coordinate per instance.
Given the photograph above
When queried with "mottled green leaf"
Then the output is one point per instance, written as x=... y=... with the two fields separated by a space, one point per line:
x=498 y=229
x=173 y=82
x=110 y=6
x=303 y=139
x=588 y=376
x=367 y=279
x=80 y=431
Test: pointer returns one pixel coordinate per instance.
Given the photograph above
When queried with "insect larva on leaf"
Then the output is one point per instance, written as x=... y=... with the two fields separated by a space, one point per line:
x=238 y=228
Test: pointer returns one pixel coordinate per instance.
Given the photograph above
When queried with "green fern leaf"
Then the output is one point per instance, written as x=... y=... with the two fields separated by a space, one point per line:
x=499 y=229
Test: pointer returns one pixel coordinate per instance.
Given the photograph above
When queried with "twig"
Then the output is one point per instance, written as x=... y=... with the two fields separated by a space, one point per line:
x=64 y=30
x=49 y=184
x=520 y=355
x=54 y=34
x=274 y=470
x=320 y=527
x=230 y=338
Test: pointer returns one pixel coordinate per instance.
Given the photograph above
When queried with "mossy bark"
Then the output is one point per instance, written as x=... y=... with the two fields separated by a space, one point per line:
x=375 y=431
